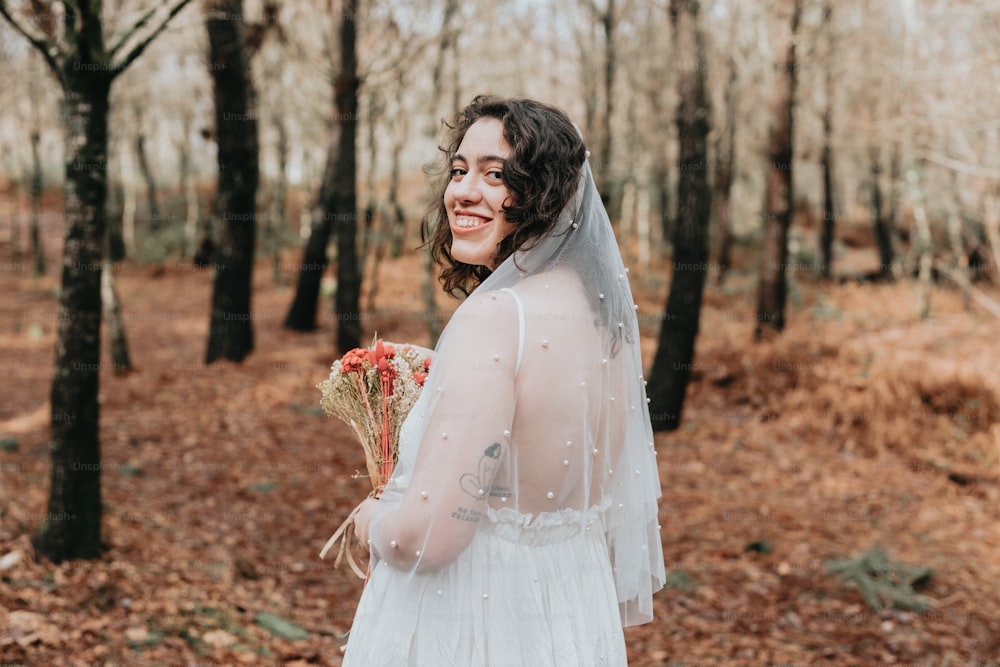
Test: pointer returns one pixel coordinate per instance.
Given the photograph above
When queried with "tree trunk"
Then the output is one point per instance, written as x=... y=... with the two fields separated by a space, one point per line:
x=675 y=351
x=398 y=215
x=626 y=219
x=896 y=184
x=924 y=246
x=13 y=209
x=726 y=154
x=37 y=251
x=642 y=228
x=231 y=332
x=115 y=250
x=302 y=314
x=448 y=38
x=724 y=188
x=343 y=204
x=661 y=194
x=588 y=82
x=72 y=525
x=376 y=239
x=120 y=361
x=961 y=271
x=116 y=206
x=152 y=198
x=276 y=223
x=605 y=185
x=128 y=248
x=829 y=216
x=880 y=220
x=826 y=158
x=778 y=200
x=190 y=190
x=374 y=226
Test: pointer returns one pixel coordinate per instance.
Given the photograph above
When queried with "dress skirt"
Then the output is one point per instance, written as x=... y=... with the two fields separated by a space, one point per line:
x=529 y=591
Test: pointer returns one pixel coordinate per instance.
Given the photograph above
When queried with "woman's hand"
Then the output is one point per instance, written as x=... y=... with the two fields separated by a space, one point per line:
x=363 y=518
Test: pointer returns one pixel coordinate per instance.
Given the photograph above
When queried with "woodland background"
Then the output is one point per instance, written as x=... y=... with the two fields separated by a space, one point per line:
x=199 y=219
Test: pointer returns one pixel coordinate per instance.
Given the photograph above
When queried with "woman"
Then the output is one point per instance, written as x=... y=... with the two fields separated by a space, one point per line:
x=520 y=525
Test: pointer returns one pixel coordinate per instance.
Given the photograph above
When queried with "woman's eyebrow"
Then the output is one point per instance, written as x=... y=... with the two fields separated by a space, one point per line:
x=483 y=159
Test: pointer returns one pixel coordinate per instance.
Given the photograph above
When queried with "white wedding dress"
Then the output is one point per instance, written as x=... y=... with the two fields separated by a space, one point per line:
x=519 y=528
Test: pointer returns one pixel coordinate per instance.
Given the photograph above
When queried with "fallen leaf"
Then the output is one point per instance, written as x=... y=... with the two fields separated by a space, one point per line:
x=10 y=560
x=280 y=627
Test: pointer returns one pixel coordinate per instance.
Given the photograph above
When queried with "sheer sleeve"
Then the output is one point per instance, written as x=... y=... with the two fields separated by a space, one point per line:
x=430 y=510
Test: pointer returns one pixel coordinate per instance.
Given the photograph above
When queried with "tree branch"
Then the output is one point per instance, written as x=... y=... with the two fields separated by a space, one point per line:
x=137 y=50
x=136 y=27
x=959 y=166
x=48 y=48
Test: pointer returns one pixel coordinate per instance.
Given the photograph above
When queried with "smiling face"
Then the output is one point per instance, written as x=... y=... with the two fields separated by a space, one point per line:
x=476 y=194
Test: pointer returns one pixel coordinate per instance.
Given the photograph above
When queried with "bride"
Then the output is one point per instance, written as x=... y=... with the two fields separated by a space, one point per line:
x=520 y=524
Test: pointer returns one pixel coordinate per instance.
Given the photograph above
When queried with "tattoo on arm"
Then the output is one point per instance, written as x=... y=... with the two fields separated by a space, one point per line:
x=503 y=492
x=466 y=514
x=476 y=484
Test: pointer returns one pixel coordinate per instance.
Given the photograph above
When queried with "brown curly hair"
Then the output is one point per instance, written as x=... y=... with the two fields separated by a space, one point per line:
x=542 y=174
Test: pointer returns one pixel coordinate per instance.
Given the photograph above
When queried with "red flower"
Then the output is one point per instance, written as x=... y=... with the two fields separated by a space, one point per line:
x=386 y=370
x=353 y=361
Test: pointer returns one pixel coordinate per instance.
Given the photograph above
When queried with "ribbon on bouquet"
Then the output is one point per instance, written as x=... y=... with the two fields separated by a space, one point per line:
x=345 y=532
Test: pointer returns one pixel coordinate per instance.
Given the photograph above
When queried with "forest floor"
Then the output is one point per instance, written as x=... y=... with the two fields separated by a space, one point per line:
x=858 y=426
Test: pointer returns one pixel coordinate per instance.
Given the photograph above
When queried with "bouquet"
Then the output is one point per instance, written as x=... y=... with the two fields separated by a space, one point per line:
x=372 y=390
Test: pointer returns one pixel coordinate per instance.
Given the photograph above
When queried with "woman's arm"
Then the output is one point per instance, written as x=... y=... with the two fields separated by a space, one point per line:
x=466 y=438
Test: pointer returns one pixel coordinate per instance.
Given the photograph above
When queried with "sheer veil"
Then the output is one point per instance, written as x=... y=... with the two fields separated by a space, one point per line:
x=544 y=357
x=584 y=241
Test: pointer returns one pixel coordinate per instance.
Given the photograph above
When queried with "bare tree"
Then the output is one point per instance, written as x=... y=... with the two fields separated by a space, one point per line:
x=725 y=153
x=37 y=184
x=881 y=220
x=152 y=196
x=230 y=333
x=342 y=205
x=447 y=47
x=85 y=68
x=186 y=180
x=826 y=157
x=606 y=19
x=672 y=364
x=779 y=197
x=337 y=205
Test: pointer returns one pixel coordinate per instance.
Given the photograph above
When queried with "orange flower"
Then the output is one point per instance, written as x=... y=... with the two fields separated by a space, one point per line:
x=353 y=361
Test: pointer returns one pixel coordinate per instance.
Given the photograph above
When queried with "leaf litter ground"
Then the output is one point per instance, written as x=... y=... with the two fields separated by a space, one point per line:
x=859 y=426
